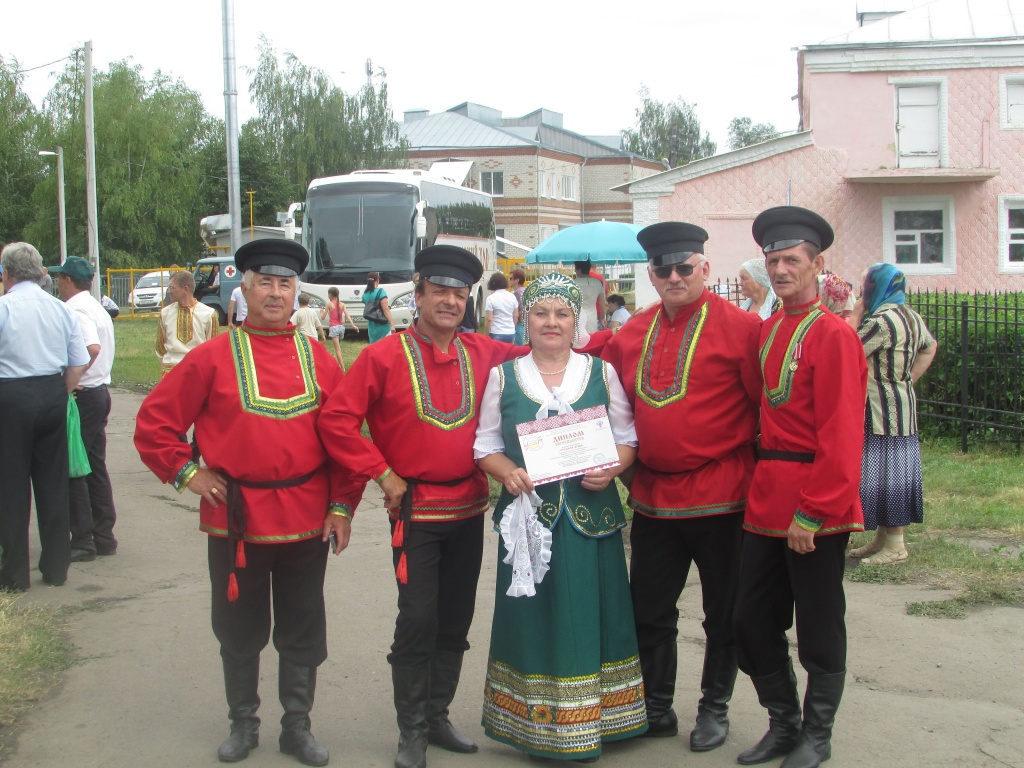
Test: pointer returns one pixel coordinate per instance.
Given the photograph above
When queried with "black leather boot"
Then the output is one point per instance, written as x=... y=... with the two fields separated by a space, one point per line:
x=412 y=688
x=241 y=686
x=445 y=669
x=777 y=694
x=658 y=665
x=716 y=684
x=821 y=700
x=296 y=686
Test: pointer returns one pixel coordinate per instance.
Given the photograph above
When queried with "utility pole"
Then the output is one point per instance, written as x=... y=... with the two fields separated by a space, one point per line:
x=252 y=227
x=231 y=125
x=90 y=175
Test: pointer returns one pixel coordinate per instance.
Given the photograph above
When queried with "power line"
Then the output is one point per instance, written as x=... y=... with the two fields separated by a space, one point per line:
x=50 y=64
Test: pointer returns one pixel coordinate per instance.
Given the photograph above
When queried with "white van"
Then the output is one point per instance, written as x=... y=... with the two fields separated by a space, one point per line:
x=149 y=291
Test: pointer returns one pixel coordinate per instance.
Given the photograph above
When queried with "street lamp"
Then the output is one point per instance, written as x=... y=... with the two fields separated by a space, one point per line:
x=59 y=154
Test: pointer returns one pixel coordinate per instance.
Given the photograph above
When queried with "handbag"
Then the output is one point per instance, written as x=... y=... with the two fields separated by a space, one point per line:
x=78 y=457
x=375 y=312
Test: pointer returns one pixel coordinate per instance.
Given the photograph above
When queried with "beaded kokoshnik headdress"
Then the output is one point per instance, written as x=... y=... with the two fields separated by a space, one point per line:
x=557 y=286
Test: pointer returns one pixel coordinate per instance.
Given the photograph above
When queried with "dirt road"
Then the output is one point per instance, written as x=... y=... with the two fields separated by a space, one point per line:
x=147 y=689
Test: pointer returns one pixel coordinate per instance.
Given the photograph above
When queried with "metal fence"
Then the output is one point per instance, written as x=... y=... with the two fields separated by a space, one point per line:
x=138 y=292
x=975 y=388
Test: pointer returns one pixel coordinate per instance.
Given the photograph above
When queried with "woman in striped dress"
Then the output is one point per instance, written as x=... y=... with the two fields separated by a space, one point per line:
x=899 y=349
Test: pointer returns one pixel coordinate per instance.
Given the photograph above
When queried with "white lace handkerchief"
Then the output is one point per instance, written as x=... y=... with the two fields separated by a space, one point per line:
x=528 y=543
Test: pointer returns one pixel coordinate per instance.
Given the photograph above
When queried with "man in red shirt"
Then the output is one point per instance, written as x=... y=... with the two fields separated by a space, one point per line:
x=689 y=367
x=804 y=499
x=419 y=392
x=271 y=498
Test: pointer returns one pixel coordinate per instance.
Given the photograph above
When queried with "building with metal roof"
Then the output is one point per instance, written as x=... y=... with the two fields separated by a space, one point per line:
x=543 y=177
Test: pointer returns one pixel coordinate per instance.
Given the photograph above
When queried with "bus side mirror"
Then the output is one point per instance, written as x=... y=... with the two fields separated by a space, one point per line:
x=421 y=226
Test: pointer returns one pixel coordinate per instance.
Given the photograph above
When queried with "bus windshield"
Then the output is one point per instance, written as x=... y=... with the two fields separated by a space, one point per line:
x=356 y=228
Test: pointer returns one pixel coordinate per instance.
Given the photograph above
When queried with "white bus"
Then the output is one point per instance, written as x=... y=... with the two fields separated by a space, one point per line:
x=377 y=221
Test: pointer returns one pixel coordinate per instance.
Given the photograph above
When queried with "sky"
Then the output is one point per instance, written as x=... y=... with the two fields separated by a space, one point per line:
x=732 y=58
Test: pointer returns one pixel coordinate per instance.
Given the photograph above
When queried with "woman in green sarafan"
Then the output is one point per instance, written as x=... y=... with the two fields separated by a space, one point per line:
x=563 y=674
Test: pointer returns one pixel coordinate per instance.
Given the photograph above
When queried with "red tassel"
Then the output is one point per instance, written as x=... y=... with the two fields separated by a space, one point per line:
x=240 y=555
x=232 y=588
x=402 y=571
x=398 y=536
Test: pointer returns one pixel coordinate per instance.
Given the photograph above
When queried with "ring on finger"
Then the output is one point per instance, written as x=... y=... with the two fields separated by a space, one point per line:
x=214 y=490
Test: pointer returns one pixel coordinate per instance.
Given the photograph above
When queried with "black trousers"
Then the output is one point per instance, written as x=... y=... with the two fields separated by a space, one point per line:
x=775 y=580
x=662 y=552
x=92 y=499
x=292 y=576
x=435 y=609
x=33 y=456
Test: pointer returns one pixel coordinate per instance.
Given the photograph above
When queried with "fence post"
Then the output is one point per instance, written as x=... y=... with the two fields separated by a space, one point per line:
x=963 y=377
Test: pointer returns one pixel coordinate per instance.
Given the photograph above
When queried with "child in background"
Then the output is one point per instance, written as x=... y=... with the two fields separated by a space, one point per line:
x=336 y=314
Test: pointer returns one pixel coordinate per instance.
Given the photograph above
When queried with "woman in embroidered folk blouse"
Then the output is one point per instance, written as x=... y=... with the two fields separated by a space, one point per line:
x=899 y=349
x=563 y=673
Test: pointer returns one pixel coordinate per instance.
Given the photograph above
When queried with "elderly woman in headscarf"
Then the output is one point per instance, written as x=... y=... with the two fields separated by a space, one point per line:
x=563 y=674
x=836 y=294
x=756 y=286
x=899 y=349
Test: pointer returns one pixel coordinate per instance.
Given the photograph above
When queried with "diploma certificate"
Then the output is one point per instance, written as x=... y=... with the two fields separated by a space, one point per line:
x=568 y=445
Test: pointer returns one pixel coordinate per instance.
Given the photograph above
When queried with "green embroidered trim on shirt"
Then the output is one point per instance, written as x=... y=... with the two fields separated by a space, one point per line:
x=342 y=510
x=700 y=510
x=677 y=389
x=807 y=522
x=425 y=409
x=181 y=480
x=249 y=387
x=780 y=395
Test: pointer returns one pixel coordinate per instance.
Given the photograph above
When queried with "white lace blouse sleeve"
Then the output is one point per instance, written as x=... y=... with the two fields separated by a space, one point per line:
x=620 y=414
x=488 y=428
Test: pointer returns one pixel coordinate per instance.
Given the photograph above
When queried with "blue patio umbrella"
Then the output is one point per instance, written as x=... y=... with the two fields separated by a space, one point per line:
x=602 y=242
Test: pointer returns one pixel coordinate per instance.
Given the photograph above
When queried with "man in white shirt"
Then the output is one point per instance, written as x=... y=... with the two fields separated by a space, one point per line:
x=42 y=357
x=92 y=498
x=593 y=297
x=185 y=323
x=238 y=310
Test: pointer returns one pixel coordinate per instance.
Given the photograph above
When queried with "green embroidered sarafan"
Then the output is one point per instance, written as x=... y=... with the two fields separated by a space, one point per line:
x=684 y=362
x=249 y=386
x=425 y=409
x=780 y=394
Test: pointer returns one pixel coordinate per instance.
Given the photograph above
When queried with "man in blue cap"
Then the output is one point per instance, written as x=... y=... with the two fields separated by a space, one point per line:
x=804 y=499
x=689 y=368
x=92 y=498
x=271 y=498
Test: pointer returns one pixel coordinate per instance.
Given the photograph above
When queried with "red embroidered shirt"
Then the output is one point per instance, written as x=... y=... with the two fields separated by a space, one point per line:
x=253 y=396
x=694 y=384
x=815 y=385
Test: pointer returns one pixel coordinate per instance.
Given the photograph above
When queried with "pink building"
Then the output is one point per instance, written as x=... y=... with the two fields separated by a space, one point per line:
x=911 y=143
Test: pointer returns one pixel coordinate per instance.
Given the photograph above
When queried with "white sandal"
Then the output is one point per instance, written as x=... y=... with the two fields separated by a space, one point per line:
x=888 y=557
x=866 y=551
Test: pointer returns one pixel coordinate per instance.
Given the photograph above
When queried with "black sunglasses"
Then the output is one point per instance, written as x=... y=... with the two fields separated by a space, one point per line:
x=683 y=270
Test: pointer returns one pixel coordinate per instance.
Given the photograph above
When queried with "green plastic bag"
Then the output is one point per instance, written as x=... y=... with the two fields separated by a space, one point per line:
x=78 y=458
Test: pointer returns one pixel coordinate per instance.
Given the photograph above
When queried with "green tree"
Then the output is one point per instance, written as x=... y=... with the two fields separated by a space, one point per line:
x=667 y=130
x=259 y=171
x=149 y=136
x=743 y=132
x=315 y=128
x=20 y=166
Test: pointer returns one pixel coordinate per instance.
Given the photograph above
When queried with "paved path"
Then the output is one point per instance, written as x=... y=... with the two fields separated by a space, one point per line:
x=147 y=689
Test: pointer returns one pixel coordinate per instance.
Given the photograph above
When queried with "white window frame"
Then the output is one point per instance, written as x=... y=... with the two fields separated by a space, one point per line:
x=1006 y=204
x=490 y=177
x=1004 y=101
x=568 y=187
x=890 y=205
x=546 y=181
x=943 y=112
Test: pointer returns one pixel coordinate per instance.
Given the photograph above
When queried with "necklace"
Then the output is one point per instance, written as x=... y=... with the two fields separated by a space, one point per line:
x=552 y=373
